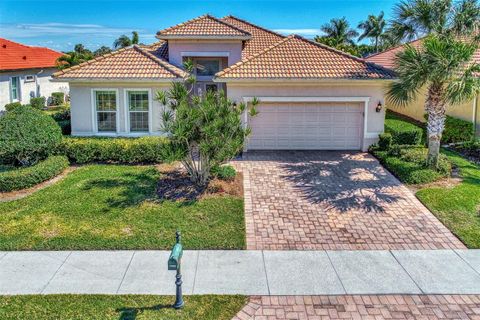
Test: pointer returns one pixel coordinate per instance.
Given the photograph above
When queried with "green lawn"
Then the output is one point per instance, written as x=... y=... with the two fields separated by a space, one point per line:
x=458 y=208
x=121 y=307
x=115 y=207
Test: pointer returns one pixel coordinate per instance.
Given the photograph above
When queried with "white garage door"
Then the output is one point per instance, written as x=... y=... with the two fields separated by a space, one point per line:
x=306 y=126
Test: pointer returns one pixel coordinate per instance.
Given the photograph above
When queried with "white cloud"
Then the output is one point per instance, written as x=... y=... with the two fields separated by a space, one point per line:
x=30 y=30
x=302 y=32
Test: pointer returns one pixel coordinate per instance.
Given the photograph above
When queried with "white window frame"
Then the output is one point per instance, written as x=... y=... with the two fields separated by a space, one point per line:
x=127 y=111
x=95 y=114
x=19 y=92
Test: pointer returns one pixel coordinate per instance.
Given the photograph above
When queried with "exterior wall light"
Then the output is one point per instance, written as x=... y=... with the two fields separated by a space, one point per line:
x=379 y=106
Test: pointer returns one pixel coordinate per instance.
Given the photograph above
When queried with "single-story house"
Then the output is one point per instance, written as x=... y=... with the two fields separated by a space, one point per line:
x=26 y=71
x=311 y=96
x=468 y=111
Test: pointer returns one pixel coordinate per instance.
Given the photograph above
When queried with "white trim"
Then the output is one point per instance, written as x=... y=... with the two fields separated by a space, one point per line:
x=94 y=111
x=365 y=100
x=127 y=111
x=205 y=54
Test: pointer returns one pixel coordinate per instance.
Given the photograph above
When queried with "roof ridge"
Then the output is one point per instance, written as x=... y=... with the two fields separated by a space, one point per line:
x=241 y=62
x=254 y=25
x=199 y=18
x=167 y=65
x=31 y=47
x=96 y=59
x=346 y=54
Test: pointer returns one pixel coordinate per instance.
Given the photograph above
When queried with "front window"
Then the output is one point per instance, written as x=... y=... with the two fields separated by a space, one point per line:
x=207 y=67
x=14 y=88
x=138 y=110
x=106 y=106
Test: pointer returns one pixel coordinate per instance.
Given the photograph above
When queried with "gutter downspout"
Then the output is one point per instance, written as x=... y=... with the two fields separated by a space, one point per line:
x=37 y=88
x=475 y=116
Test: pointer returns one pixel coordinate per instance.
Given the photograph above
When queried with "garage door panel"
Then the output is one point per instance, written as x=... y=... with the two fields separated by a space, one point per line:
x=306 y=127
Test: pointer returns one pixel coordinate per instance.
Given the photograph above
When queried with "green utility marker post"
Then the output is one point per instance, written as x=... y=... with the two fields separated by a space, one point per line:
x=174 y=263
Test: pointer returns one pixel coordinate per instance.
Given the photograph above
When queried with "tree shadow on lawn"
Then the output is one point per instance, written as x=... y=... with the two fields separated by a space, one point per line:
x=132 y=313
x=133 y=188
x=343 y=181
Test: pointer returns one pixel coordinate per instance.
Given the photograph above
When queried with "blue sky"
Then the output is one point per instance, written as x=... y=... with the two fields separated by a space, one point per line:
x=61 y=24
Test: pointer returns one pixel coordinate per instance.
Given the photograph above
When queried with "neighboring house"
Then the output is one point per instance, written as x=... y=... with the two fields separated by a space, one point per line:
x=26 y=71
x=468 y=111
x=312 y=96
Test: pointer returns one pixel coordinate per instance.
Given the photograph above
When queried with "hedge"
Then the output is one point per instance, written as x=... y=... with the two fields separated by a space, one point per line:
x=116 y=150
x=57 y=98
x=457 y=130
x=37 y=103
x=27 y=177
x=410 y=166
x=403 y=132
x=11 y=106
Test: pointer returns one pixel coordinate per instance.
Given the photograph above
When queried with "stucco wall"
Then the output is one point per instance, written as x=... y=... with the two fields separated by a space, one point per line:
x=46 y=87
x=82 y=108
x=373 y=90
x=176 y=47
x=416 y=109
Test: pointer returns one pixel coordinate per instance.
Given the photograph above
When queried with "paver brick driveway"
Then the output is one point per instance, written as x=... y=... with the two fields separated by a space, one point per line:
x=333 y=200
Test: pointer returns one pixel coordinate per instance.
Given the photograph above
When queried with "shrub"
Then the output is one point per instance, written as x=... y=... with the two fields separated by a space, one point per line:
x=12 y=106
x=118 y=150
x=410 y=165
x=58 y=98
x=27 y=177
x=403 y=131
x=226 y=173
x=457 y=130
x=27 y=135
x=385 y=141
x=37 y=103
x=65 y=126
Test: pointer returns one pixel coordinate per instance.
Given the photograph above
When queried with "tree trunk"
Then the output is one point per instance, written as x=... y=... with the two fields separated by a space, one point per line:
x=435 y=107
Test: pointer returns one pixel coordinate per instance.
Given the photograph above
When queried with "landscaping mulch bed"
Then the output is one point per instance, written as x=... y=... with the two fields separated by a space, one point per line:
x=175 y=185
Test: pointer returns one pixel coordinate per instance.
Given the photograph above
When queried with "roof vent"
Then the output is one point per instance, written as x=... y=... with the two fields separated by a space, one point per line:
x=24 y=58
x=4 y=46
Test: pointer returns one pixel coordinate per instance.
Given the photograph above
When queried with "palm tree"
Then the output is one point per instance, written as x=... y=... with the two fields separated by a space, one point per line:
x=373 y=28
x=124 y=41
x=71 y=59
x=443 y=64
x=414 y=19
x=340 y=32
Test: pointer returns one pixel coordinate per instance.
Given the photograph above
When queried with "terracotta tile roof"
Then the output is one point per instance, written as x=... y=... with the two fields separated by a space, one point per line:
x=387 y=57
x=128 y=63
x=203 y=27
x=15 y=56
x=158 y=49
x=298 y=58
x=261 y=38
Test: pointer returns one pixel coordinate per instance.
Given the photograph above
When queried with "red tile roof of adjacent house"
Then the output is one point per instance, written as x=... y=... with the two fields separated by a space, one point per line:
x=16 y=56
x=134 y=62
x=203 y=27
x=261 y=38
x=298 y=58
x=387 y=57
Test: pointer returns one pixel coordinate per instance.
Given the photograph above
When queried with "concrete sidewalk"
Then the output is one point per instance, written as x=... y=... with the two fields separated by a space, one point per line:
x=243 y=272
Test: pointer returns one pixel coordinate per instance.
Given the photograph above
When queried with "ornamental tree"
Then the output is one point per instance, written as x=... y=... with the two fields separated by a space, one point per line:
x=205 y=130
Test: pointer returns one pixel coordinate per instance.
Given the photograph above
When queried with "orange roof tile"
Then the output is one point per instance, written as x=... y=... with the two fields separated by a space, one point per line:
x=387 y=57
x=15 y=56
x=203 y=27
x=128 y=63
x=295 y=57
x=261 y=38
